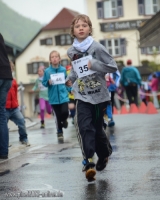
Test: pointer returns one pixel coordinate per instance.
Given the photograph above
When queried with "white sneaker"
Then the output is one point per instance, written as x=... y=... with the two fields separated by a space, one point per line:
x=25 y=141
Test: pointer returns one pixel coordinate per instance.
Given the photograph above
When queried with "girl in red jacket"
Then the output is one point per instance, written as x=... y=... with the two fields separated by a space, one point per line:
x=13 y=113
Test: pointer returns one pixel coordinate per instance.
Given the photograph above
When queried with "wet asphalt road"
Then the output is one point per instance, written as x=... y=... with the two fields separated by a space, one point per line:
x=133 y=171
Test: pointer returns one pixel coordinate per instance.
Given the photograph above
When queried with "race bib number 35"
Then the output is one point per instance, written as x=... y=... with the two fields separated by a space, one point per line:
x=80 y=66
x=58 y=78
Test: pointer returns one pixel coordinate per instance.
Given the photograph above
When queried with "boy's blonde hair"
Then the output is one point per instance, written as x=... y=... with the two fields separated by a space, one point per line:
x=54 y=51
x=11 y=65
x=84 y=18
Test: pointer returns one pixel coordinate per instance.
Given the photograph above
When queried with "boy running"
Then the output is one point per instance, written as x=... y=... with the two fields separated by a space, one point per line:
x=90 y=62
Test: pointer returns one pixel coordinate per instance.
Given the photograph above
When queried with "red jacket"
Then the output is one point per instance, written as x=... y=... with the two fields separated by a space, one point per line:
x=12 y=100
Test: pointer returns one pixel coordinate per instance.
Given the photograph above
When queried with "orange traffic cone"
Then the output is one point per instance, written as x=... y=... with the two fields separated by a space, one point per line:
x=133 y=109
x=142 y=107
x=48 y=116
x=123 y=110
x=115 y=112
x=151 y=109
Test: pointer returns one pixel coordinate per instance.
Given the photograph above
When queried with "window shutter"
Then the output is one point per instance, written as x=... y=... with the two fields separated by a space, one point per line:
x=29 y=68
x=143 y=50
x=100 y=14
x=123 y=46
x=58 y=40
x=141 y=9
x=120 y=8
x=103 y=42
x=43 y=42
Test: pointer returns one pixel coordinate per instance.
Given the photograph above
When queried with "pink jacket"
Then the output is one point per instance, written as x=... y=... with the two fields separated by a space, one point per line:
x=154 y=84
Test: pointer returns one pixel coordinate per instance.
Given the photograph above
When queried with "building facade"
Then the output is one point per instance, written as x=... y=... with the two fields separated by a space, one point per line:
x=116 y=23
x=54 y=36
x=150 y=32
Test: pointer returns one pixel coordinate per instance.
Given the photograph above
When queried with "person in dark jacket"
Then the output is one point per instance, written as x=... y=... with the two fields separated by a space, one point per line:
x=130 y=80
x=13 y=113
x=5 y=84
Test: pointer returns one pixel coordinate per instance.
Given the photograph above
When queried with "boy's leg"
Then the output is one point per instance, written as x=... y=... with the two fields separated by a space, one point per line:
x=48 y=107
x=103 y=146
x=85 y=129
x=86 y=135
x=18 y=119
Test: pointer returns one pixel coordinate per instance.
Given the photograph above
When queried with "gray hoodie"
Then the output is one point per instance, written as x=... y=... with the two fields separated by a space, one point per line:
x=92 y=88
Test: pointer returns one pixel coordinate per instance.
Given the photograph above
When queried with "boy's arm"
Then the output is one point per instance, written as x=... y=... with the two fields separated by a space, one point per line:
x=72 y=76
x=105 y=62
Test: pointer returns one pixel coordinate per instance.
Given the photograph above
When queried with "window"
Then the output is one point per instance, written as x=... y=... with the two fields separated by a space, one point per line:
x=35 y=68
x=32 y=68
x=47 y=41
x=116 y=47
x=150 y=50
x=63 y=40
x=64 y=62
x=148 y=7
x=109 y=9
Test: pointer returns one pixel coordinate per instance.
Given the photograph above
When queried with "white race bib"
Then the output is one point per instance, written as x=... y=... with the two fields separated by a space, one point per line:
x=57 y=79
x=80 y=66
x=41 y=87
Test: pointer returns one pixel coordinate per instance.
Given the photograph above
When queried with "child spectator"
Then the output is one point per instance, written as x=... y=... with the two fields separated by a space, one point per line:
x=43 y=96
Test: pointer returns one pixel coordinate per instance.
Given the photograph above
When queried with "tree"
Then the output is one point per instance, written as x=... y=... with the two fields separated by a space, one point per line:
x=154 y=65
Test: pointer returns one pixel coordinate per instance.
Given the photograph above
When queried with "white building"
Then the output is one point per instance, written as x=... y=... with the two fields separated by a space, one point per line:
x=115 y=24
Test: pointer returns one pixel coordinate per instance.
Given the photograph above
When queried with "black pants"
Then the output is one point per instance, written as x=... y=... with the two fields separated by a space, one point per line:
x=112 y=99
x=91 y=136
x=132 y=93
x=61 y=114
